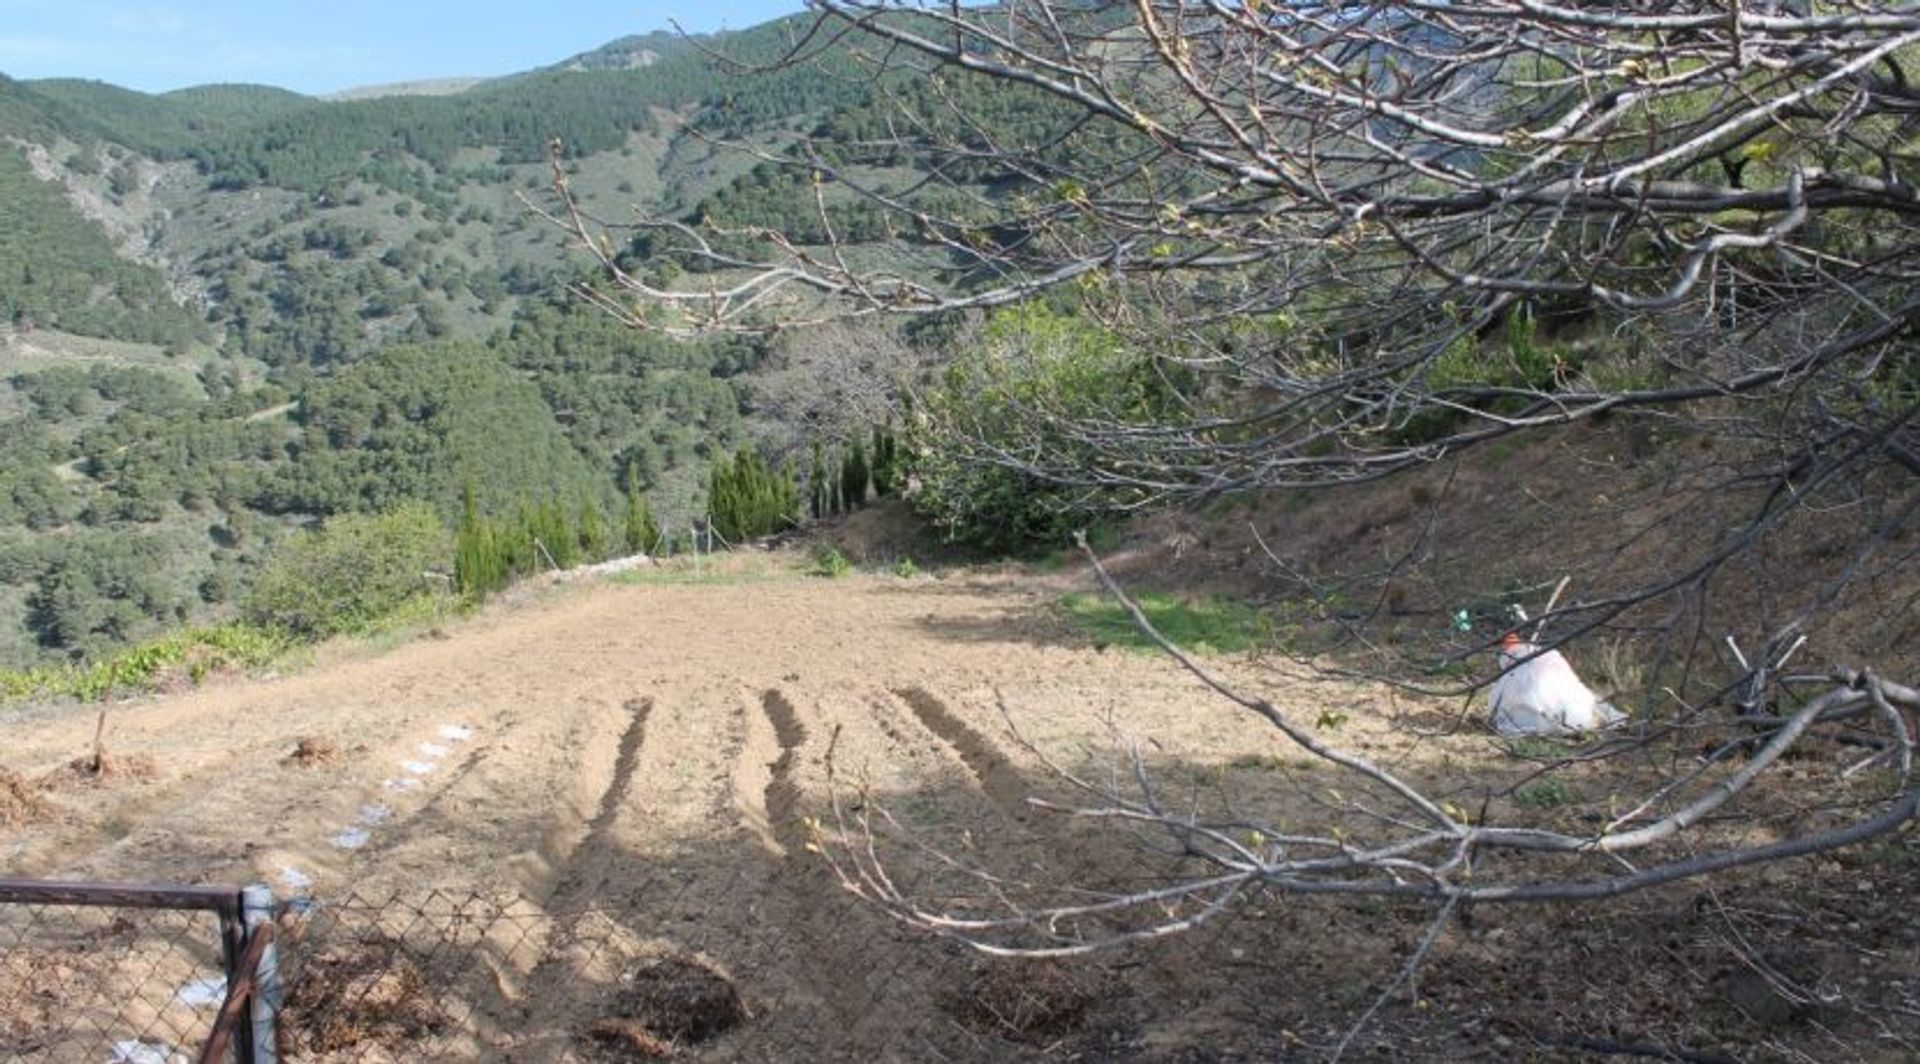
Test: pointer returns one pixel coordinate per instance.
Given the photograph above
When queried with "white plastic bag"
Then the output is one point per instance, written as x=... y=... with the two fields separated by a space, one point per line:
x=1542 y=695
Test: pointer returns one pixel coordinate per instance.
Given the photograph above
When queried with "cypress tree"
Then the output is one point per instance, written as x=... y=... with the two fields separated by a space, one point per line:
x=746 y=498
x=638 y=531
x=838 y=484
x=720 y=501
x=550 y=528
x=854 y=478
x=590 y=530
x=477 y=567
x=882 y=471
x=517 y=548
x=817 y=484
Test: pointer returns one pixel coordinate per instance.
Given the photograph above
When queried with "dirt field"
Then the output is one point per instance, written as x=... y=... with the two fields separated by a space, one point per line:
x=631 y=767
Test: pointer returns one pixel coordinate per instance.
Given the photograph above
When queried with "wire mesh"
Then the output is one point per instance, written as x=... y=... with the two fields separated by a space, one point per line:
x=672 y=959
x=121 y=985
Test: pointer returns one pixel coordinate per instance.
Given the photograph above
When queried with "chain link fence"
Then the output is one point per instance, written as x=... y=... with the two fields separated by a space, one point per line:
x=668 y=957
x=138 y=975
x=122 y=973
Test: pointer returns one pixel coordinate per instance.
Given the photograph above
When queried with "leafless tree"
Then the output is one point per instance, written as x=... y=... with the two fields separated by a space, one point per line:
x=1346 y=230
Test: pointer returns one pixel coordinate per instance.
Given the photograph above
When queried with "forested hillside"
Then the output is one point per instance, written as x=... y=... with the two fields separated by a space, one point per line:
x=232 y=311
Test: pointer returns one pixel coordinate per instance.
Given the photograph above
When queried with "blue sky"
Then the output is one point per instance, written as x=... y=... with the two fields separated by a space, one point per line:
x=324 y=47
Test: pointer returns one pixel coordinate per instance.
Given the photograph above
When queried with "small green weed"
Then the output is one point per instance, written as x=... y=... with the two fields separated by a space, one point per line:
x=1536 y=749
x=1544 y=794
x=905 y=569
x=829 y=562
x=1201 y=624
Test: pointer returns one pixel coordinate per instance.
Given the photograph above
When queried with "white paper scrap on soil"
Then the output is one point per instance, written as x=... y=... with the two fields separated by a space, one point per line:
x=419 y=768
x=203 y=993
x=352 y=838
x=1543 y=695
x=135 y=1051
x=373 y=813
x=432 y=750
x=455 y=733
x=407 y=784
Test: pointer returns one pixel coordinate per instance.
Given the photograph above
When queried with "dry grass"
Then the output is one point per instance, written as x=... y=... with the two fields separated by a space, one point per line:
x=21 y=803
x=33 y=986
x=1036 y=1002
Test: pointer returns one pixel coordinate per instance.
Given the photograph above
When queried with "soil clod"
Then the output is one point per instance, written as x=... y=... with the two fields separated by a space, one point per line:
x=359 y=994
x=313 y=751
x=671 y=1001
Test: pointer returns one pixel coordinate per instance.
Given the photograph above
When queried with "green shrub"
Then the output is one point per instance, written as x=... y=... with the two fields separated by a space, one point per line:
x=1036 y=372
x=197 y=651
x=351 y=572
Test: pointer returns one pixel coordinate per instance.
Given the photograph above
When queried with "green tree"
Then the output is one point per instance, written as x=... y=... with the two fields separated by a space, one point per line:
x=480 y=559
x=855 y=477
x=819 y=495
x=1031 y=358
x=638 y=531
x=352 y=571
x=590 y=530
x=746 y=498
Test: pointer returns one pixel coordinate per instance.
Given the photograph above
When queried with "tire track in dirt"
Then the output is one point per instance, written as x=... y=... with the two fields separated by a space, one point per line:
x=1001 y=782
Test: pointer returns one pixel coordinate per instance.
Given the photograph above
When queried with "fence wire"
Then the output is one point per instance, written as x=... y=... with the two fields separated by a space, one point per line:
x=674 y=958
x=119 y=985
x=462 y=976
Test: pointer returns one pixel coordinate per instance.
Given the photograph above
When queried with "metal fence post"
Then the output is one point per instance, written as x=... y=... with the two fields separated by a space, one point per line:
x=257 y=909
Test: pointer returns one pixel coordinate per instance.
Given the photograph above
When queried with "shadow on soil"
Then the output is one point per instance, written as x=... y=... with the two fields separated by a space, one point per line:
x=726 y=949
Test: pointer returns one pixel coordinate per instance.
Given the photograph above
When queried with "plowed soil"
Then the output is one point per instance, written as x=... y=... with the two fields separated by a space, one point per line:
x=643 y=765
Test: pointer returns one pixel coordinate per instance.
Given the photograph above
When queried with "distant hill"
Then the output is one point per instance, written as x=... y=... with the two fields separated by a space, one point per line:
x=168 y=123
x=431 y=87
x=628 y=53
